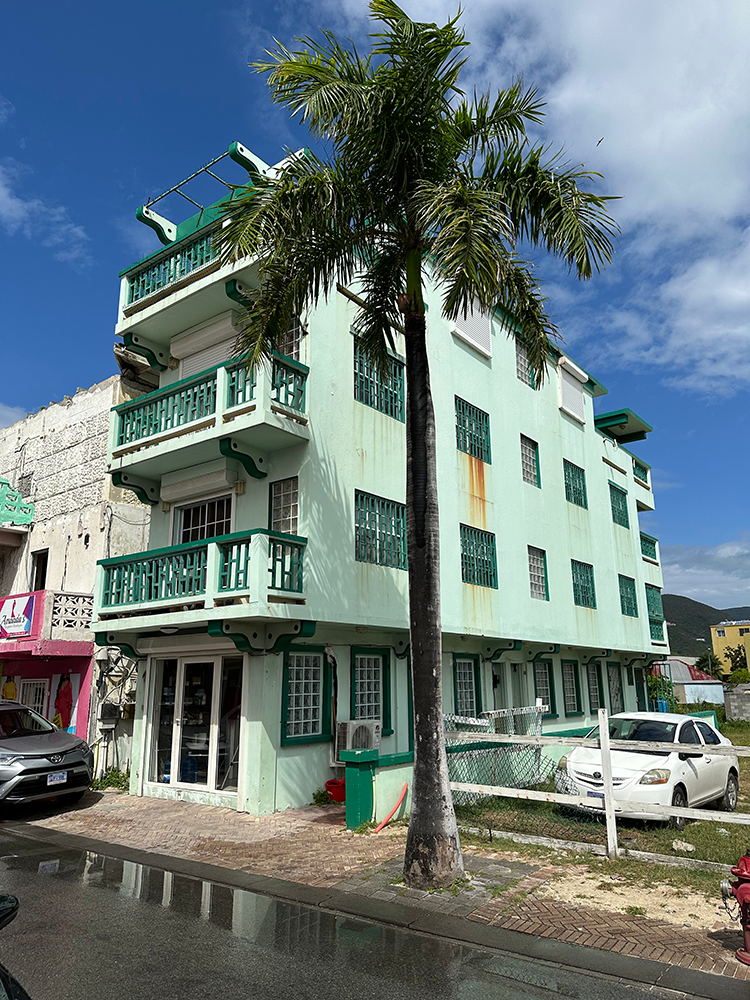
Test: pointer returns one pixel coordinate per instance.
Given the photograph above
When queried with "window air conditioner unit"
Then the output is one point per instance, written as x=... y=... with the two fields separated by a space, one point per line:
x=359 y=734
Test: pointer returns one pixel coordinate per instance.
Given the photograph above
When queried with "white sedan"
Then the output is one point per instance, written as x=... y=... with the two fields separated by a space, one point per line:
x=690 y=775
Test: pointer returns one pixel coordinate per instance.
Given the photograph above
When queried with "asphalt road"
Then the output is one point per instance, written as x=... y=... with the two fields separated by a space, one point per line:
x=92 y=926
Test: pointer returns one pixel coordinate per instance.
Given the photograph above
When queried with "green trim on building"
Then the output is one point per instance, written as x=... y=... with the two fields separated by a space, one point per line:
x=326 y=686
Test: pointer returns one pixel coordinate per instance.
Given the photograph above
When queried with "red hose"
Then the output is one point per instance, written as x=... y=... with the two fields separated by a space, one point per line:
x=390 y=814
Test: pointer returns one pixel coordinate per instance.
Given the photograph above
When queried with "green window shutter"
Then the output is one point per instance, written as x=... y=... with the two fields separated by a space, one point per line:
x=544 y=687
x=628 y=600
x=655 y=612
x=575 y=484
x=478 y=557
x=473 y=430
x=306 y=697
x=538 y=573
x=583 y=584
x=618 y=500
x=648 y=546
x=640 y=471
x=379 y=530
x=530 y=461
x=382 y=390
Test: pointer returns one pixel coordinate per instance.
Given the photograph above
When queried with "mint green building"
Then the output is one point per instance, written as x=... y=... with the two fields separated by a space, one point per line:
x=270 y=609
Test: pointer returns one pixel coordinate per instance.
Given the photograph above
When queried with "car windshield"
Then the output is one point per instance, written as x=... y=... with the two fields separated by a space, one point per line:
x=16 y=722
x=646 y=730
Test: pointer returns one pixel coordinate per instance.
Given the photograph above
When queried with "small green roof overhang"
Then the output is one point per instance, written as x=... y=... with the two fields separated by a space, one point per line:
x=622 y=425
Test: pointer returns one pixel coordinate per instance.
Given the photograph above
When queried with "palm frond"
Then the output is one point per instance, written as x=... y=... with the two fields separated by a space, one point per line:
x=481 y=123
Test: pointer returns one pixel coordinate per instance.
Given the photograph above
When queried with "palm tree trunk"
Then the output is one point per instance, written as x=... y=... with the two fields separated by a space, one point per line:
x=433 y=853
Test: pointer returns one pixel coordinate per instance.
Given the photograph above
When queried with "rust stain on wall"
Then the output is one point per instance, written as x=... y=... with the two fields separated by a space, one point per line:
x=477 y=492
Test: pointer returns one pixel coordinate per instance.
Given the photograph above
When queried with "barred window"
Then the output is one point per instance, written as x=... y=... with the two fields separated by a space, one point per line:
x=523 y=368
x=379 y=530
x=655 y=613
x=544 y=686
x=304 y=704
x=628 y=600
x=208 y=519
x=583 y=584
x=368 y=686
x=472 y=430
x=285 y=505
x=464 y=678
x=538 y=573
x=382 y=390
x=595 y=687
x=575 y=484
x=618 y=500
x=648 y=546
x=530 y=461
x=478 y=557
x=571 y=690
x=615 y=688
x=640 y=471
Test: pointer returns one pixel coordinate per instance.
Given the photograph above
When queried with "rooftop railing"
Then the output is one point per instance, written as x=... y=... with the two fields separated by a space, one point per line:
x=171 y=267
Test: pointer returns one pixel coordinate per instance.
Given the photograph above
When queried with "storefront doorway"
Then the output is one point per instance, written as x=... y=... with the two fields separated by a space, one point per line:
x=196 y=723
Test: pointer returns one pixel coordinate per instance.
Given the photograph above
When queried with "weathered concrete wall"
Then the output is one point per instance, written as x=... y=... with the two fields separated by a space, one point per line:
x=737 y=702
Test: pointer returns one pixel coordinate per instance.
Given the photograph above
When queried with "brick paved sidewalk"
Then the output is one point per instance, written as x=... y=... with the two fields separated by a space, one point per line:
x=312 y=846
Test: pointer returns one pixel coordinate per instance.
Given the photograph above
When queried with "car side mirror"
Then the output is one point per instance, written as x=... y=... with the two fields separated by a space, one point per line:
x=689 y=756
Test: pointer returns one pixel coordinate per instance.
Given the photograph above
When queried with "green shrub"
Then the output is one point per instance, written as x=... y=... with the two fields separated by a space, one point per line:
x=321 y=798
x=741 y=676
x=704 y=706
x=112 y=778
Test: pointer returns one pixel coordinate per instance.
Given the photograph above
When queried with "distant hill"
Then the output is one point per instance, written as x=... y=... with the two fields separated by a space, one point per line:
x=690 y=621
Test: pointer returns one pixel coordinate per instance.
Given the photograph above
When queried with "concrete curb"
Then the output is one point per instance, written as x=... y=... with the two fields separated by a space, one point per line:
x=503 y=941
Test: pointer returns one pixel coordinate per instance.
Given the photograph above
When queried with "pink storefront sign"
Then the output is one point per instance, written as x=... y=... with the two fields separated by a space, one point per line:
x=17 y=616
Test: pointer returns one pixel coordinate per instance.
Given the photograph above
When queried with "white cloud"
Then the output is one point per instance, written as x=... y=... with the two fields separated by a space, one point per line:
x=718 y=575
x=10 y=414
x=49 y=225
x=6 y=109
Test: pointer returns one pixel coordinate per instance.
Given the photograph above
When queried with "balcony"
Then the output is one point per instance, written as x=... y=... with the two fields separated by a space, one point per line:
x=257 y=568
x=187 y=423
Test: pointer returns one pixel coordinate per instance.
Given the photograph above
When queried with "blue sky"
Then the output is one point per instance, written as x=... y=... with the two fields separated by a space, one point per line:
x=102 y=107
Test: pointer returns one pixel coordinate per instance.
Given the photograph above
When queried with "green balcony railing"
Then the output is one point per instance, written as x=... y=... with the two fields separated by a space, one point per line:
x=289 y=382
x=161 y=576
x=171 y=267
x=167 y=409
x=648 y=546
x=285 y=557
x=241 y=383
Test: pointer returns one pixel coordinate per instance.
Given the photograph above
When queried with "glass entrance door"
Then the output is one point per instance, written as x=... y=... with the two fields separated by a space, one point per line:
x=196 y=745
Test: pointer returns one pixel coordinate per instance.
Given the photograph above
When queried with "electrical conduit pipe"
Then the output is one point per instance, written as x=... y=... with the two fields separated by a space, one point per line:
x=391 y=813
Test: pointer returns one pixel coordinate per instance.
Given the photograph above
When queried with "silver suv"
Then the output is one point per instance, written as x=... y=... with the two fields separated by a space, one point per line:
x=38 y=760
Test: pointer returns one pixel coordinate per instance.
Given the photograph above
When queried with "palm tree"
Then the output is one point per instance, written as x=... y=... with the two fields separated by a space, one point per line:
x=421 y=185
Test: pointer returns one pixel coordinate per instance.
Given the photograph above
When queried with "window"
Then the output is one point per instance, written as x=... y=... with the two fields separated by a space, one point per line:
x=744 y=631
x=628 y=601
x=640 y=471
x=655 y=613
x=306 y=699
x=39 y=562
x=523 y=368
x=466 y=686
x=688 y=734
x=478 y=557
x=648 y=546
x=709 y=736
x=379 y=531
x=530 y=461
x=618 y=500
x=544 y=687
x=285 y=505
x=472 y=430
x=571 y=394
x=615 y=688
x=594 y=678
x=289 y=342
x=575 y=484
x=721 y=633
x=571 y=688
x=383 y=391
x=203 y=520
x=583 y=584
x=538 y=573
x=475 y=329
x=371 y=687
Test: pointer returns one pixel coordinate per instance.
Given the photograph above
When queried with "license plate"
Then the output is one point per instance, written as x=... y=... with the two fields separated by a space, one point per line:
x=591 y=795
x=58 y=778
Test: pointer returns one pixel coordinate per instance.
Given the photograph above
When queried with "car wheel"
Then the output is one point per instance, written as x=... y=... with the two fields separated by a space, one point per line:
x=728 y=801
x=679 y=799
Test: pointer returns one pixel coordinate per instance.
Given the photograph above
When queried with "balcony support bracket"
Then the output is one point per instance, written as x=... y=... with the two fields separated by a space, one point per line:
x=503 y=646
x=156 y=355
x=640 y=657
x=125 y=642
x=231 y=449
x=262 y=636
x=598 y=654
x=146 y=490
x=547 y=650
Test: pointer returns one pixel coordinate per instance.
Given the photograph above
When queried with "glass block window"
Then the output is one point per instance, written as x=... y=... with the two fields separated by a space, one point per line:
x=203 y=520
x=618 y=500
x=571 y=687
x=289 y=343
x=530 y=461
x=615 y=688
x=368 y=686
x=648 y=546
x=383 y=391
x=478 y=557
x=285 y=505
x=523 y=368
x=628 y=600
x=595 y=687
x=544 y=686
x=379 y=530
x=640 y=471
x=538 y=573
x=465 y=683
x=304 y=694
x=655 y=613
x=583 y=584
x=575 y=484
x=472 y=430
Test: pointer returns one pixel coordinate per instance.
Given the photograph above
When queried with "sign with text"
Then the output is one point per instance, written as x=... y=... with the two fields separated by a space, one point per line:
x=16 y=616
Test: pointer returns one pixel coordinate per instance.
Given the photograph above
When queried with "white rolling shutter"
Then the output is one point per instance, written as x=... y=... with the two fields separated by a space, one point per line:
x=476 y=329
x=209 y=357
x=571 y=379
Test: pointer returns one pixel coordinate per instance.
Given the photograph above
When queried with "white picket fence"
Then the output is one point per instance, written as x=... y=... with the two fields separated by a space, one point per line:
x=612 y=806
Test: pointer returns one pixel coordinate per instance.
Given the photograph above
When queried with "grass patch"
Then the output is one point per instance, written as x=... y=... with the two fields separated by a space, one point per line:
x=636 y=911
x=112 y=778
x=321 y=798
x=365 y=827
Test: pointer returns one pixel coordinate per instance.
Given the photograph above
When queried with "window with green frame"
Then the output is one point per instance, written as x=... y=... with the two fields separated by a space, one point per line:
x=544 y=686
x=478 y=557
x=467 y=687
x=571 y=688
x=655 y=612
x=530 y=462
x=628 y=600
x=371 y=686
x=614 y=681
x=594 y=684
x=382 y=390
x=306 y=697
x=538 y=573
x=379 y=530
x=584 y=594
x=648 y=546
x=575 y=484
x=473 y=430
x=618 y=500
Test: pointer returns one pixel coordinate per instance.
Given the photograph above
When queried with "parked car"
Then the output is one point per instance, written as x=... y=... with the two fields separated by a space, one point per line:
x=38 y=760
x=690 y=775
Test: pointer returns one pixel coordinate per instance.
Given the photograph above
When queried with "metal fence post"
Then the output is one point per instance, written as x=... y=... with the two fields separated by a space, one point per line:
x=609 y=805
